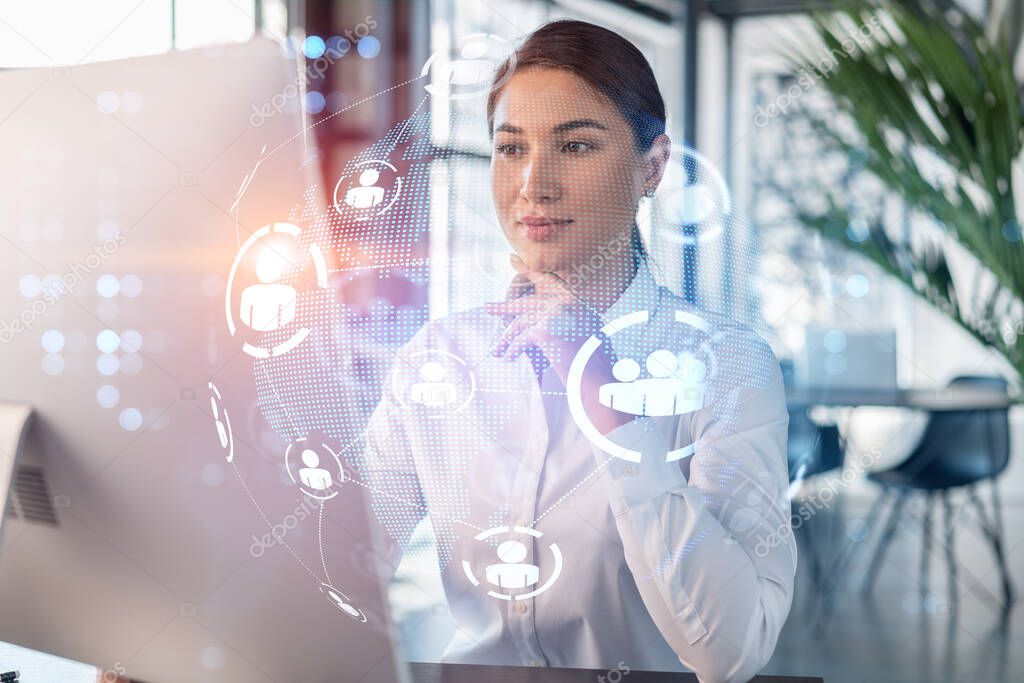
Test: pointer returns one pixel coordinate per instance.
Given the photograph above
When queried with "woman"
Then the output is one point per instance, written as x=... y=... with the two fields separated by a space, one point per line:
x=661 y=555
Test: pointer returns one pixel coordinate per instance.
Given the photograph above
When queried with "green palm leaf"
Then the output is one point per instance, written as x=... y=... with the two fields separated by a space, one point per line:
x=931 y=97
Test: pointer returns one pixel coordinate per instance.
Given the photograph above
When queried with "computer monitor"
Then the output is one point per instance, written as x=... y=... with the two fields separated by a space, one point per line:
x=144 y=535
x=848 y=359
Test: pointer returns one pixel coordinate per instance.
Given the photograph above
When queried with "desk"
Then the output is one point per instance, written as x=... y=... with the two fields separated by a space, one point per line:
x=41 y=666
x=423 y=672
x=940 y=399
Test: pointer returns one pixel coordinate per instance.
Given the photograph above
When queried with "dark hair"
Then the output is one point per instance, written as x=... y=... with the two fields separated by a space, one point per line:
x=607 y=62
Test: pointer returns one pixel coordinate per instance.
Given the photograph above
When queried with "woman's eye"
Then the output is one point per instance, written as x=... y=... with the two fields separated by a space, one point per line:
x=576 y=146
x=506 y=149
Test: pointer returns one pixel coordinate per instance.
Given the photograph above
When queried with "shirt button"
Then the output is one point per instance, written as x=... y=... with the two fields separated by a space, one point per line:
x=521 y=607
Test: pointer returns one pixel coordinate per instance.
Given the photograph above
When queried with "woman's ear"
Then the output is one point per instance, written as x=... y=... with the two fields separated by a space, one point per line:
x=655 y=162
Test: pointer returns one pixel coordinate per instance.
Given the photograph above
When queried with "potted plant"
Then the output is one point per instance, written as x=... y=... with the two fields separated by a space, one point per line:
x=928 y=104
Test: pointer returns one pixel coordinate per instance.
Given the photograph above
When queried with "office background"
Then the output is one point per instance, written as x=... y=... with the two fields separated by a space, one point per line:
x=720 y=65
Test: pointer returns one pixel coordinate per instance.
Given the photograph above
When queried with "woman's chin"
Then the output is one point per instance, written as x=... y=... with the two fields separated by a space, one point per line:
x=544 y=261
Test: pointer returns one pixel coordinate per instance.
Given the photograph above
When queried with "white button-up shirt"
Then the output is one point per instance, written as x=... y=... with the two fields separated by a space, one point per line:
x=689 y=562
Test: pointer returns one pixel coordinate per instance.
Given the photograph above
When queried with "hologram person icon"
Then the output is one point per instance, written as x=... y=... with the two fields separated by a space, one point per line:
x=432 y=392
x=512 y=572
x=471 y=69
x=268 y=306
x=342 y=605
x=312 y=475
x=676 y=385
x=222 y=429
x=366 y=194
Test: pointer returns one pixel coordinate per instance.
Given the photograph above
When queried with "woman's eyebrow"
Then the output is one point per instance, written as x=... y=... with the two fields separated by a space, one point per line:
x=560 y=128
x=579 y=123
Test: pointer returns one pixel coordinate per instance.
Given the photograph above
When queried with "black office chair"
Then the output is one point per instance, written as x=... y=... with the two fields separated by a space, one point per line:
x=958 y=450
x=812 y=449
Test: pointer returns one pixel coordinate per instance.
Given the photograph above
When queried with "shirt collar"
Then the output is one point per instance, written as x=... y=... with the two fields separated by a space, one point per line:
x=641 y=293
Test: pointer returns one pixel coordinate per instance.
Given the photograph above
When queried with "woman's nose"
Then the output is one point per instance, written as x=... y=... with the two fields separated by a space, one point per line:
x=540 y=183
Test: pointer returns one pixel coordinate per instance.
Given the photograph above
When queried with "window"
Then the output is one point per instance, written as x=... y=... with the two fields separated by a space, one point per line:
x=91 y=32
x=806 y=282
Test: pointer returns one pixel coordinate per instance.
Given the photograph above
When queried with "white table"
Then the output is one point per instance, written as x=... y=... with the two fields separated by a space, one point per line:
x=39 y=667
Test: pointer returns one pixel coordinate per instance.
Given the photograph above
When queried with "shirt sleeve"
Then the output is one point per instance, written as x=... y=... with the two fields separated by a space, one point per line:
x=712 y=549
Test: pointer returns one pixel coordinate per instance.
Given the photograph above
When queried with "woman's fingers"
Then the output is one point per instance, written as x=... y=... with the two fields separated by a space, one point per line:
x=513 y=330
x=525 y=312
x=517 y=263
x=526 y=304
x=526 y=338
x=531 y=314
x=545 y=282
x=520 y=286
x=541 y=279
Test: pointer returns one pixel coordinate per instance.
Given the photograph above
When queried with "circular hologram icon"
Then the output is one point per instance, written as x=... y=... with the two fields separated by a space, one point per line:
x=315 y=468
x=362 y=193
x=675 y=383
x=342 y=602
x=512 y=572
x=694 y=198
x=468 y=68
x=223 y=422
x=434 y=381
x=270 y=304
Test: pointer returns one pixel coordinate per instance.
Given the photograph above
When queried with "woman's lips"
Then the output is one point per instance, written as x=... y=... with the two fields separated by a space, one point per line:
x=541 y=230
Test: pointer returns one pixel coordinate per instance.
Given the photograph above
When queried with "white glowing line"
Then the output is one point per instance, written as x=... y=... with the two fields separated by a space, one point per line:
x=574 y=383
x=247 y=181
x=279 y=349
x=693 y=321
x=231 y=435
x=434 y=90
x=319 y=264
x=469 y=573
x=680 y=453
x=348 y=601
x=227 y=420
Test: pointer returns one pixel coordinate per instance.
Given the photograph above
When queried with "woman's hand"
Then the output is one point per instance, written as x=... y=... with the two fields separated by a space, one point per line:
x=557 y=321
x=552 y=317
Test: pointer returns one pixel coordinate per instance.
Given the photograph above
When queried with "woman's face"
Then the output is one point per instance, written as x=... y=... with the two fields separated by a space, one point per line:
x=565 y=172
